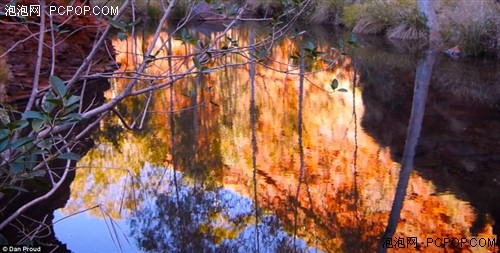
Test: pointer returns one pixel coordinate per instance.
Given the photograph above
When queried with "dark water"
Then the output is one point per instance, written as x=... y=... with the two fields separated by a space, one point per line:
x=213 y=170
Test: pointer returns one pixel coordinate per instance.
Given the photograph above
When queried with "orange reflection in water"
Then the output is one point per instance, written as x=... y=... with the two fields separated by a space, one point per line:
x=342 y=201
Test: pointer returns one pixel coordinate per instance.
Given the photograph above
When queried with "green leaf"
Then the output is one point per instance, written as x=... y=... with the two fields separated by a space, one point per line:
x=310 y=46
x=3 y=241
x=22 y=141
x=38 y=173
x=4 y=144
x=73 y=116
x=55 y=28
x=300 y=33
x=54 y=101
x=30 y=161
x=197 y=63
x=33 y=115
x=4 y=133
x=212 y=102
x=41 y=183
x=44 y=144
x=192 y=93
x=207 y=70
x=262 y=53
x=71 y=100
x=334 y=84
x=117 y=24
x=353 y=40
x=69 y=156
x=13 y=187
x=37 y=124
x=17 y=167
x=136 y=22
x=58 y=86
x=121 y=36
x=39 y=152
x=233 y=9
x=18 y=124
x=342 y=90
x=340 y=43
x=71 y=108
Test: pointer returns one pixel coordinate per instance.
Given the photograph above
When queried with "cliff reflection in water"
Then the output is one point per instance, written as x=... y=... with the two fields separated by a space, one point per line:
x=190 y=184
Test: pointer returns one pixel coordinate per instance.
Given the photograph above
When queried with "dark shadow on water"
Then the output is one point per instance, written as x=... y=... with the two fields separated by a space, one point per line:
x=458 y=146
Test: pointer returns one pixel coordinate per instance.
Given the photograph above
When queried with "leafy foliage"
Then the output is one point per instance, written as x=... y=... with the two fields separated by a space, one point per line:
x=20 y=147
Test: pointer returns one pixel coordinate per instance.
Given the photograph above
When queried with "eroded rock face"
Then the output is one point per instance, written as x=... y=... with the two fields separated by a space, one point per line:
x=74 y=42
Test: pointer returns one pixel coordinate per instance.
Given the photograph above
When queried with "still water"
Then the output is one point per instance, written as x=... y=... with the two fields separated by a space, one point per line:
x=213 y=170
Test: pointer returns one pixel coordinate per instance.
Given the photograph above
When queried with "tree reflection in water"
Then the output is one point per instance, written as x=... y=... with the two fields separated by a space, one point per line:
x=202 y=220
x=341 y=165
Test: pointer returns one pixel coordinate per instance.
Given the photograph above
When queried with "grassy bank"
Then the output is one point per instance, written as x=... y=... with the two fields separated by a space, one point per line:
x=472 y=25
x=398 y=19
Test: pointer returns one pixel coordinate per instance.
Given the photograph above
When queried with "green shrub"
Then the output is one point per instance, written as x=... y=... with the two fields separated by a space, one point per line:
x=398 y=18
x=351 y=13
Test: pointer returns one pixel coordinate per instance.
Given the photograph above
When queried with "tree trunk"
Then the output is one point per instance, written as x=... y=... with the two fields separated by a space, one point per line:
x=426 y=10
x=422 y=81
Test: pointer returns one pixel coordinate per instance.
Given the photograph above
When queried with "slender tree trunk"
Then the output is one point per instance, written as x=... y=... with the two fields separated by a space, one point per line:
x=253 y=122
x=422 y=80
x=427 y=11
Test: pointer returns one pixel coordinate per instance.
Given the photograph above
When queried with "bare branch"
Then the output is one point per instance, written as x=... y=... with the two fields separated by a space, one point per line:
x=39 y=53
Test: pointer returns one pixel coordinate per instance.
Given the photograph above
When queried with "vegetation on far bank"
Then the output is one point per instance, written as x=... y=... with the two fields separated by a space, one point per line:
x=470 y=25
x=473 y=26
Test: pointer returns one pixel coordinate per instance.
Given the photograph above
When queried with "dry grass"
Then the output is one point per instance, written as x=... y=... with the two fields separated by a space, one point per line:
x=318 y=12
x=398 y=18
x=265 y=8
x=473 y=25
x=369 y=25
x=405 y=32
x=326 y=11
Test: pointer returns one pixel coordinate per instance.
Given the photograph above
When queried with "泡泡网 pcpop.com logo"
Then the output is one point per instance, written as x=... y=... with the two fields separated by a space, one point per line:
x=35 y=10
x=82 y=10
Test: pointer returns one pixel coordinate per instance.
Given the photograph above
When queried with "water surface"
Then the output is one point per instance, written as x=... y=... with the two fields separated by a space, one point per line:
x=213 y=169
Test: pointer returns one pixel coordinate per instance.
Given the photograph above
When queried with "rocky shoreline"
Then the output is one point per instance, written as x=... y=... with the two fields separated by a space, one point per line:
x=74 y=37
